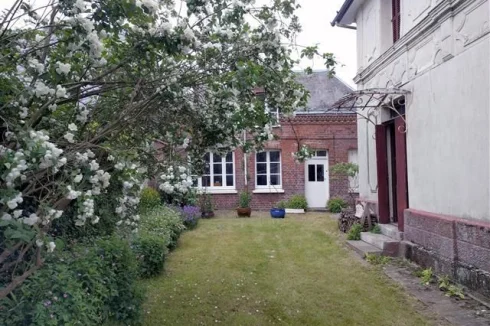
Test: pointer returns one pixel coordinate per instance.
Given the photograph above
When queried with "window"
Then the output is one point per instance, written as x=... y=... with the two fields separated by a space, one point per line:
x=396 y=19
x=274 y=114
x=219 y=172
x=268 y=169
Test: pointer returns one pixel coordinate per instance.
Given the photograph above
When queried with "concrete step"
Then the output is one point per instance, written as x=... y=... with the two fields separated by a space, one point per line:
x=391 y=231
x=388 y=246
x=363 y=248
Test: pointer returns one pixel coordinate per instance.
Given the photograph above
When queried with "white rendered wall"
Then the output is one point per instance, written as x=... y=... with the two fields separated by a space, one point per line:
x=446 y=67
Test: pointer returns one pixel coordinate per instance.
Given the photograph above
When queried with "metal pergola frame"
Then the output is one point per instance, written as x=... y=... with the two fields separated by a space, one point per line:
x=372 y=98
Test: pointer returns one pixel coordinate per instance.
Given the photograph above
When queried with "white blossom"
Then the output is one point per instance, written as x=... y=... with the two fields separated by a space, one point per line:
x=31 y=220
x=63 y=68
x=69 y=137
x=78 y=178
x=51 y=246
x=72 y=127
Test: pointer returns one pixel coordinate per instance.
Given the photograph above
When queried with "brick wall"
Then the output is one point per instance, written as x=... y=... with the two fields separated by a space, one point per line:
x=335 y=133
x=452 y=246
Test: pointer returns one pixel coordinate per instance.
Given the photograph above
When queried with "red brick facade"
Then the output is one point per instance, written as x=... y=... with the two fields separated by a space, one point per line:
x=335 y=133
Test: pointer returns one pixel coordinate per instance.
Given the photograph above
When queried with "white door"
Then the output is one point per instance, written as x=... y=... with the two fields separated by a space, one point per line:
x=316 y=181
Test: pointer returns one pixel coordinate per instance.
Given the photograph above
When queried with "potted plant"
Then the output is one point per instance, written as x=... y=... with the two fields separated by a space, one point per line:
x=206 y=206
x=279 y=211
x=297 y=204
x=243 y=209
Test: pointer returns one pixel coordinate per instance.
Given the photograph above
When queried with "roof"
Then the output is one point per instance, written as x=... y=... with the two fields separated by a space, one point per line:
x=347 y=13
x=324 y=91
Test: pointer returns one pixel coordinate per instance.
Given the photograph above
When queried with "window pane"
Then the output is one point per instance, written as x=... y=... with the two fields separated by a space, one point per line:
x=229 y=168
x=229 y=180
x=206 y=157
x=216 y=158
x=229 y=157
x=275 y=180
x=194 y=183
x=261 y=168
x=217 y=181
x=275 y=167
x=261 y=180
x=321 y=153
x=311 y=173
x=206 y=169
x=206 y=181
x=262 y=157
x=218 y=168
x=275 y=156
x=320 y=175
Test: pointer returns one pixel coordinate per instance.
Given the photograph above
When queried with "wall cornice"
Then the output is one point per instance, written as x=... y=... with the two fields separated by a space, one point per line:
x=434 y=19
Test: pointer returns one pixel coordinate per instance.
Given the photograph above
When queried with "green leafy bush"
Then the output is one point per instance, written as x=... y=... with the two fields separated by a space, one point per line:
x=150 y=253
x=87 y=285
x=355 y=232
x=244 y=200
x=376 y=229
x=150 y=198
x=297 y=202
x=164 y=222
x=336 y=204
x=282 y=204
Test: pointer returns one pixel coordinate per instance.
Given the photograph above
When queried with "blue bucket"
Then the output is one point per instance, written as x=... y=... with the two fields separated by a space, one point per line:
x=278 y=212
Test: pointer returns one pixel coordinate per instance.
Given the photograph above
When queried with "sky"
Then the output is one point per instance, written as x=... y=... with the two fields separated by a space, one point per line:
x=315 y=17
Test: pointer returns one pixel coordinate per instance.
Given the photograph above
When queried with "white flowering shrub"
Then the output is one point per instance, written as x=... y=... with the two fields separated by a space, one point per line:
x=87 y=88
x=303 y=154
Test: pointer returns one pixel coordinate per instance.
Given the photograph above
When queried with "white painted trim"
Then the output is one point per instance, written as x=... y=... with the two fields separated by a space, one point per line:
x=218 y=191
x=433 y=20
x=268 y=164
x=295 y=211
x=268 y=191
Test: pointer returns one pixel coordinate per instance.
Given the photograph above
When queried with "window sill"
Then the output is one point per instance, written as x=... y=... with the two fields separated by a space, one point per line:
x=268 y=191
x=218 y=191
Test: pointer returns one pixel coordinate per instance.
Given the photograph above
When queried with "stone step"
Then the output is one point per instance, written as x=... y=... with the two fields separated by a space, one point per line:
x=391 y=231
x=388 y=246
x=363 y=248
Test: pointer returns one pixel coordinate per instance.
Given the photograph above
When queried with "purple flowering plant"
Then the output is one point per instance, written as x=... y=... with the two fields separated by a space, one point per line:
x=190 y=215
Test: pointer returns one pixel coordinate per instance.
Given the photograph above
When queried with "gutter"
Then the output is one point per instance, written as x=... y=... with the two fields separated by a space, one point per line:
x=341 y=13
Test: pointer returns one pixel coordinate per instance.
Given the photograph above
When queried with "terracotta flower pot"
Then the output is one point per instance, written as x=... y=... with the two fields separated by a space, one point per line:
x=244 y=211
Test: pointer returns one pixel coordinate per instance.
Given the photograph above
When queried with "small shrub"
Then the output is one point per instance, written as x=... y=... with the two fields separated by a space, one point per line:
x=355 y=232
x=206 y=203
x=244 y=199
x=336 y=204
x=297 y=202
x=150 y=251
x=150 y=198
x=282 y=204
x=165 y=222
x=190 y=216
x=376 y=229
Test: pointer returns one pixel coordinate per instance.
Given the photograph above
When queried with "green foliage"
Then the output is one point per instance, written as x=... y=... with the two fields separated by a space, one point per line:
x=355 y=232
x=163 y=222
x=281 y=204
x=150 y=198
x=426 y=276
x=297 y=202
x=450 y=289
x=336 y=204
x=377 y=259
x=245 y=199
x=150 y=253
x=344 y=169
x=206 y=203
x=87 y=285
x=376 y=229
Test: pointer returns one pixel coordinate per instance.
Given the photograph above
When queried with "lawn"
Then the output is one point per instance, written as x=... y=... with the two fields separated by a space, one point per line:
x=261 y=271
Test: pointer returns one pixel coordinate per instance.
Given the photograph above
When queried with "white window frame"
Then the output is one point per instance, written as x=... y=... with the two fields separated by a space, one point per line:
x=219 y=189
x=273 y=112
x=268 y=188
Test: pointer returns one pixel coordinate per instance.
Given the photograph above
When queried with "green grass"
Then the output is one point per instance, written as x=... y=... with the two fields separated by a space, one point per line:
x=262 y=271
